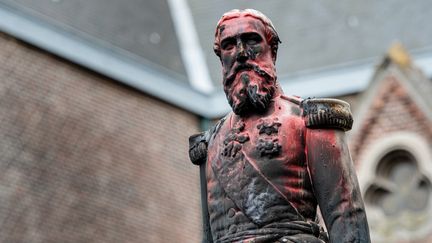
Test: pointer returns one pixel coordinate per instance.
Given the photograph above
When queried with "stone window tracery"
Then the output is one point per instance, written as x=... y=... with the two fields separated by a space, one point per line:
x=395 y=174
x=399 y=186
x=399 y=197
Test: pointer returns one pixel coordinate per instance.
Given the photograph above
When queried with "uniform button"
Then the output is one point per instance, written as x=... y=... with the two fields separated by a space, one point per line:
x=233 y=229
x=231 y=212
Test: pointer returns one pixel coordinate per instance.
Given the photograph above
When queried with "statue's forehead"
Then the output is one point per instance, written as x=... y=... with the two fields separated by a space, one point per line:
x=236 y=26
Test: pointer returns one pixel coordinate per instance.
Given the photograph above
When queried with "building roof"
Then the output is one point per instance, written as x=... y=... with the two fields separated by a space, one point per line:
x=164 y=48
x=140 y=31
x=327 y=34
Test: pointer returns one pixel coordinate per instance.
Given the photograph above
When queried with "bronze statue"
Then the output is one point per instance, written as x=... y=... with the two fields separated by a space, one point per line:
x=271 y=162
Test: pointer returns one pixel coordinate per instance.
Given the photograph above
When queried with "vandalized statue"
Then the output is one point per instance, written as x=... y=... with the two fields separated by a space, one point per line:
x=271 y=162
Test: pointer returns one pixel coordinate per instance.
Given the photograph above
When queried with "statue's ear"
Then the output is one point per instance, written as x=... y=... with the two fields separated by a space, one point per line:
x=274 y=53
x=274 y=45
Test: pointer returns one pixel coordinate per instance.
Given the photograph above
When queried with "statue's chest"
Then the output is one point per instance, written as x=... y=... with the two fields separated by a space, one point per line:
x=264 y=141
x=264 y=138
x=253 y=165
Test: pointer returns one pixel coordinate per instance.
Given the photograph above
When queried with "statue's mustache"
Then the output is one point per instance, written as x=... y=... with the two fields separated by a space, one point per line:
x=245 y=67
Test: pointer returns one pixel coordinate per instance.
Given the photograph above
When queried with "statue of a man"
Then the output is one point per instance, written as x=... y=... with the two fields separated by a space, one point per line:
x=272 y=161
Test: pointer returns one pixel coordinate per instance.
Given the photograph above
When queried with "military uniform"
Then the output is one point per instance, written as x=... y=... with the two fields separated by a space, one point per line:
x=259 y=186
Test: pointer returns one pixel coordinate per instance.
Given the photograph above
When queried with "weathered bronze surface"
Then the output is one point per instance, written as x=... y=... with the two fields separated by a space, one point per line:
x=271 y=162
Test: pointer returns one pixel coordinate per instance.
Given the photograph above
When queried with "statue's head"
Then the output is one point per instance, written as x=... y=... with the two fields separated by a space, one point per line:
x=246 y=43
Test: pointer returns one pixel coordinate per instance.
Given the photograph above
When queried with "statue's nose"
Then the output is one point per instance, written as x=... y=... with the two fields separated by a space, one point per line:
x=241 y=53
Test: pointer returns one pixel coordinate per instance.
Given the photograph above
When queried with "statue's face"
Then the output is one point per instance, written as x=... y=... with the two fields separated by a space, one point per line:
x=248 y=65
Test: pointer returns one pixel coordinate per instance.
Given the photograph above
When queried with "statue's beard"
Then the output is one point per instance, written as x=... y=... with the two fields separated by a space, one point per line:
x=249 y=90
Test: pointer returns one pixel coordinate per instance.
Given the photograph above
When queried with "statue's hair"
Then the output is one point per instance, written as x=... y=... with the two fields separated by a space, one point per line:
x=270 y=32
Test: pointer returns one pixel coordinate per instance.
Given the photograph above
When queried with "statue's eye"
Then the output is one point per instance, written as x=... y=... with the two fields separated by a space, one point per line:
x=228 y=44
x=252 y=38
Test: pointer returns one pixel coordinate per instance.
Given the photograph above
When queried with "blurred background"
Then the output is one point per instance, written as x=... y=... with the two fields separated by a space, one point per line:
x=98 y=99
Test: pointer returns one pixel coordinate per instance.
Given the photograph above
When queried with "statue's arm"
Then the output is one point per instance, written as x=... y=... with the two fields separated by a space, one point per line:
x=332 y=171
x=335 y=186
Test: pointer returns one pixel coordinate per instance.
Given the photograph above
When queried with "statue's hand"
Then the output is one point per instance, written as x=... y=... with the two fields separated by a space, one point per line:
x=198 y=148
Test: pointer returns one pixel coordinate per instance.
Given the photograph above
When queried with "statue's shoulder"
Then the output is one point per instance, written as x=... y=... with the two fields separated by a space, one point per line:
x=327 y=113
x=198 y=143
x=292 y=108
x=323 y=112
x=294 y=100
x=216 y=127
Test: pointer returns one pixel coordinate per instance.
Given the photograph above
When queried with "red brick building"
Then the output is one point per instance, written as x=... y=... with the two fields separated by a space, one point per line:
x=391 y=144
x=86 y=159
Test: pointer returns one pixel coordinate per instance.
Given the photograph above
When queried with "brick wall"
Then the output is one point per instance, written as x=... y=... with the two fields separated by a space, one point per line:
x=85 y=159
x=392 y=110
